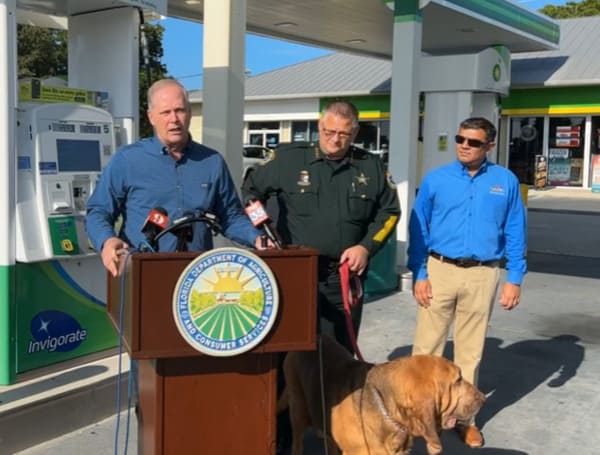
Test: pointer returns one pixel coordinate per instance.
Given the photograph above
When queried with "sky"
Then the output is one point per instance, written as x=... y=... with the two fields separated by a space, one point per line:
x=182 y=45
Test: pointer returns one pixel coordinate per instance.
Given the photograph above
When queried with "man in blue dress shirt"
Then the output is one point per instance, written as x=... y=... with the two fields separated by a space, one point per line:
x=468 y=215
x=168 y=170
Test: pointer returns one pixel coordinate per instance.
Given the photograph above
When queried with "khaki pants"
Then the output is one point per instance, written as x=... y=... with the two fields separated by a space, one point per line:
x=465 y=296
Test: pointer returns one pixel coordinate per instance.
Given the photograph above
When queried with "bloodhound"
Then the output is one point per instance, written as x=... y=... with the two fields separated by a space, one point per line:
x=374 y=409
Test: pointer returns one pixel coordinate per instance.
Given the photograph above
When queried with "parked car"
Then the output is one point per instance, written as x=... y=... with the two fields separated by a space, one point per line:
x=382 y=153
x=253 y=155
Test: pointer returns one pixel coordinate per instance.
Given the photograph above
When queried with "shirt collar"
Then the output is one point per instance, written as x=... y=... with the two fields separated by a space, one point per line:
x=463 y=169
x=318 y=155
x=163 y=149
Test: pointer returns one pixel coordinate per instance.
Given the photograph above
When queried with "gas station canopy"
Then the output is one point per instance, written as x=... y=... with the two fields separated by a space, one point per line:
x=360 y=26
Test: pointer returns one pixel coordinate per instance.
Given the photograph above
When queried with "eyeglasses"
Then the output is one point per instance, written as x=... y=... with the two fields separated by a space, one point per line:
x=331 y=133
x=476 y=143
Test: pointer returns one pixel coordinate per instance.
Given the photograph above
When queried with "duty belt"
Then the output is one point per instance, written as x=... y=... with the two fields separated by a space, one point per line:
x=462 y=262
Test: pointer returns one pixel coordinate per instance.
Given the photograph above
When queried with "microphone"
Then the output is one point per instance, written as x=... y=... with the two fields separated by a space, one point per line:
x=184 y=231
x=182 y=227
x=260 y=219
x=212 y=221
x=156 y=221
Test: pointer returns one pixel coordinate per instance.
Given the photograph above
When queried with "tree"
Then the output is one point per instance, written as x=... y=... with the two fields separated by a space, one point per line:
x=42 y=52
x=572 y=9
x=151 y=72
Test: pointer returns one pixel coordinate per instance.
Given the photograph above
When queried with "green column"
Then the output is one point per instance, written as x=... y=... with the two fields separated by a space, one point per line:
x=7 y=333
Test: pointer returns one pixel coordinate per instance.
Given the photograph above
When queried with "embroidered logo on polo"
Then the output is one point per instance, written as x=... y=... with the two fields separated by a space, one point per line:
x=225 y=302
x=497 y=189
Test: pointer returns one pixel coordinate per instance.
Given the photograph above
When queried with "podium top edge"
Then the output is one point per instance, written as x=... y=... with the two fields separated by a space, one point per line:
x=291 y=251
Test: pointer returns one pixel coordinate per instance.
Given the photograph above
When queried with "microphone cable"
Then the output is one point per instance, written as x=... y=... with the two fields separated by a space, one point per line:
x=322 y=384
x=145 y=247
x=132 y=373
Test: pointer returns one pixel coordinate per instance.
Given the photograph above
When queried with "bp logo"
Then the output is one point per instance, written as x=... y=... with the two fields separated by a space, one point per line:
x=225 y=302
x=496 y=72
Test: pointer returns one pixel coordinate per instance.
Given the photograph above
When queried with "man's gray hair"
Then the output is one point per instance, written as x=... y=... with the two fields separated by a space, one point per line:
x=162 y=83
x=343 y=109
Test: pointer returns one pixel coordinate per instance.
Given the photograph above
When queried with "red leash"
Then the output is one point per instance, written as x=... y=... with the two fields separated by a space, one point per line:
x=351 y=295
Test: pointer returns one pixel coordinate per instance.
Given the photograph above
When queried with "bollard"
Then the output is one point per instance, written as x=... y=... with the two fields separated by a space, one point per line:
x=524 y=193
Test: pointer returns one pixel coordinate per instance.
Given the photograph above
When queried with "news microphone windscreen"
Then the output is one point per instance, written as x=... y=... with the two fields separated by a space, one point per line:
x=257 y=213
x=158 y=216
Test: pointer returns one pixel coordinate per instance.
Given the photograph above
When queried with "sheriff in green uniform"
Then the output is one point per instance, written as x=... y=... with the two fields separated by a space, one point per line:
x=333 y=197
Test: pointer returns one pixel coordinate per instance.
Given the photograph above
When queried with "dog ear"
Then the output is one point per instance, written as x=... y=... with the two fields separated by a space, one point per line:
x=410 y=400
x=448 y=388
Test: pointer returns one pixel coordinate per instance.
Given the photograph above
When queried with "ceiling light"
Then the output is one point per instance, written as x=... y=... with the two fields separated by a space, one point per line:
x=286 y=24
x=355 y=41
x=192 y=2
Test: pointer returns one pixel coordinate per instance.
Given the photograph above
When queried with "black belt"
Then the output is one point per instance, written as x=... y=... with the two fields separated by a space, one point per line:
x=465 y=263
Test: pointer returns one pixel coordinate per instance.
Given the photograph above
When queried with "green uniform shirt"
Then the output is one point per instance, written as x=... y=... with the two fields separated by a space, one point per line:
x=327 y=205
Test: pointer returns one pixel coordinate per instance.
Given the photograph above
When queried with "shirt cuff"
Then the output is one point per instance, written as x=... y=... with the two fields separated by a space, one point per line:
x=514 y=277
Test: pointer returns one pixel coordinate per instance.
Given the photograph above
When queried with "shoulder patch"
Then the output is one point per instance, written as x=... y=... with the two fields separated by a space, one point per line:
x=390 y=180
x=271 y=157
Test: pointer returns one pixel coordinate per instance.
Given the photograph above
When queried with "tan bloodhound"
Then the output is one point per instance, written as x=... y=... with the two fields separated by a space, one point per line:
x=374 y=409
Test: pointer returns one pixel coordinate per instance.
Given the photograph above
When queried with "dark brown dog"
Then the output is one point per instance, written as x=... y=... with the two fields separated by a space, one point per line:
x=374 y=409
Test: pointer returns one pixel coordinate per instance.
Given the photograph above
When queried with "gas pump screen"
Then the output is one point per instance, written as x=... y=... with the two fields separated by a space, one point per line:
x=75 y=155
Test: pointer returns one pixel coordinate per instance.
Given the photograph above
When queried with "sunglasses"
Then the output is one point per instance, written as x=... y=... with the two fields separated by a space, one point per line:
x=476 y=143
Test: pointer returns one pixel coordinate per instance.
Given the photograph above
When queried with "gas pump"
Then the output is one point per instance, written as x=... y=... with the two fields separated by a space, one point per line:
x=61 y=150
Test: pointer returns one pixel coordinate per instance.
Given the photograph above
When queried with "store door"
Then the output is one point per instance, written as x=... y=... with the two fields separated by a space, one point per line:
x=526 y=141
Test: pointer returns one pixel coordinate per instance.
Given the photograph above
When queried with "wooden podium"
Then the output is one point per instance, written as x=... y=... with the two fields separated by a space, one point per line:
x=191 y=403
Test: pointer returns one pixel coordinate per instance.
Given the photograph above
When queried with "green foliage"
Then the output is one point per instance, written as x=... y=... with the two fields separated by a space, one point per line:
x=200 y=301
x=42 y=52
x=572 y=9
x=156 y=69
x=253 y=300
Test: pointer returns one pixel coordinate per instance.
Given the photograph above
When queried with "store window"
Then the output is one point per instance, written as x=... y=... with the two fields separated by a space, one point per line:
x=566 y=151
x=373 y=135
x=305 y=131
x=266 y=134
x=526 y=141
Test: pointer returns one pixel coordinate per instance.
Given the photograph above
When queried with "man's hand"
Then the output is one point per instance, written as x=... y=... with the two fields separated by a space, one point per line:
x=422 y=292
x=357 y=257
x=112 y=250
x=511 y=296
x=258 y=243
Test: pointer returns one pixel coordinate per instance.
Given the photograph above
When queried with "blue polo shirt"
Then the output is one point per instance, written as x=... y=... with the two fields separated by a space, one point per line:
x=462 y=216
x=143 y=175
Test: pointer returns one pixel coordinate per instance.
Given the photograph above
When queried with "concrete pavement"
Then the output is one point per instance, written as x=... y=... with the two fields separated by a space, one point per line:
x=541 y=366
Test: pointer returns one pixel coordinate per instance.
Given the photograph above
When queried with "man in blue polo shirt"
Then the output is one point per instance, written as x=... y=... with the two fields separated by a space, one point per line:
x=468 y=215
x=168 y=170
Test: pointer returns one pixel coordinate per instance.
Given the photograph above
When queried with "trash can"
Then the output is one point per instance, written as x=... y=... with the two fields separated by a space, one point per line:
x=524 y=193
x=382 y=277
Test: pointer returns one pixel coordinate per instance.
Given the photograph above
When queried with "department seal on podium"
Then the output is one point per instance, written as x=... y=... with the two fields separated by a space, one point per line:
x=225 y=302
